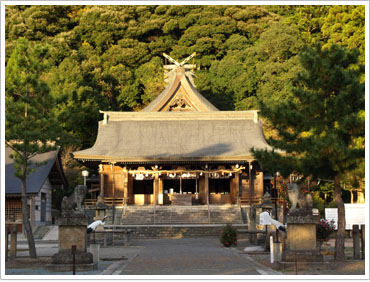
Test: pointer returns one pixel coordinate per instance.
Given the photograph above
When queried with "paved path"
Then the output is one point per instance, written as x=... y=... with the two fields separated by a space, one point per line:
x=186 y=256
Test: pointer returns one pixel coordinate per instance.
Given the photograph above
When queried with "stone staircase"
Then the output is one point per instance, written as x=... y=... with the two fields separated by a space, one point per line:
x=177 y=215
x=225 y=214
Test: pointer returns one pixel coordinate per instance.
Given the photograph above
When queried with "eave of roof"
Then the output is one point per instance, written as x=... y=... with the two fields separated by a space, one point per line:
x=193 y=140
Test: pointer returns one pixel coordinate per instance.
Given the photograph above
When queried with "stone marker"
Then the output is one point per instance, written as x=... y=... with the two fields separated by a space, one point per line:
x=6 y=242
x=356 y=241
x=363 y=241
x=95 y=251
x=278 y=251
x=13 y=241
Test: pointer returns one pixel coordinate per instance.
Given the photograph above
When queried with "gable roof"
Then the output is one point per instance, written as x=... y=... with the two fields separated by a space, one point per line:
x=189 y=136
x=180 y=88
x=36 y=179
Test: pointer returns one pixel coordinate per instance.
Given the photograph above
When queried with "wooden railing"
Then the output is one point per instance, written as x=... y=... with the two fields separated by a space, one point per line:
x=257 y=200
x=109 y=201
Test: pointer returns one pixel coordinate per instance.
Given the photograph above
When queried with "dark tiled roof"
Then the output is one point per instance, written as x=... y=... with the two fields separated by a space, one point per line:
x=35 y=180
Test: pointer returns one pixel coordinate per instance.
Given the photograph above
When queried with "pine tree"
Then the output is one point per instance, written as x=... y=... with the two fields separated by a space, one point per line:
x=322 y=125
x=29 y=124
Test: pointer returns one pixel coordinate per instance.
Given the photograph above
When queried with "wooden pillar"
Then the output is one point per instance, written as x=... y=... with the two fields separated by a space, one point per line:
x=206 y=188
x=235 y=187
x=130 y=187
x=113 y=183
x=156 y=187
x=251 y=184
x=101 y=172
x=202 y=194
x=261 y=183
x=160 y=191
x=125 y=185
x=180 y=183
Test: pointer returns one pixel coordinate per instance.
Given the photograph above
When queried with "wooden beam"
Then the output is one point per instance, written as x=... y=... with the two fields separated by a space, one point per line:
x=206 y=188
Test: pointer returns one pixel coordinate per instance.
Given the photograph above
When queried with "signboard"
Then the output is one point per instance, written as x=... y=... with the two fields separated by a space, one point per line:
x=355 y=214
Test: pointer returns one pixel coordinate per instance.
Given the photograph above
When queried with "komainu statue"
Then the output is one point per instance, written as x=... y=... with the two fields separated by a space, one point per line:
x=73 y=203
x=295 y=195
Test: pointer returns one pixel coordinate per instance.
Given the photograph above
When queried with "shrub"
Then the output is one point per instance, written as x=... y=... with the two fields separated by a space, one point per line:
x=318 y=202
x=229 y=236
x=324 y=229
x=332 y=204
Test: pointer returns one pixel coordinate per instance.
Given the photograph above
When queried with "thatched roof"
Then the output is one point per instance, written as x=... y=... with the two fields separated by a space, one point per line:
x=191 y=136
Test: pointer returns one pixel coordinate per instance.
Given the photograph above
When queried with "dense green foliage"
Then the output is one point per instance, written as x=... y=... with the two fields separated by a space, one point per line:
x=110 y=57
x=322 y=126
x=30 y=123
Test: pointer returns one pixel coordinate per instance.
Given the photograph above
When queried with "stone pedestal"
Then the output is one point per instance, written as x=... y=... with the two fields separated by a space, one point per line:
x=301 y=237
x=277 y=251
x=72 y=231
x=95 y=251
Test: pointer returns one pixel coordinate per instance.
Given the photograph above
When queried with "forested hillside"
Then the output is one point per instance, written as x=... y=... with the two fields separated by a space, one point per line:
x=110 y=57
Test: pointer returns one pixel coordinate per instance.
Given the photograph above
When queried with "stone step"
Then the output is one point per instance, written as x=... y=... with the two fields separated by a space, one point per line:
x=146 y=232
x=144 y=215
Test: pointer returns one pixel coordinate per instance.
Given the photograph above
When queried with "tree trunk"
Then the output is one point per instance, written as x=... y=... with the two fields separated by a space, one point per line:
x=340 y=238
x=26 y=221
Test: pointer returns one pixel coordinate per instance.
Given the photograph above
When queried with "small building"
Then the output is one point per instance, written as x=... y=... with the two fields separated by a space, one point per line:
x=179 y=150
x=42 y=185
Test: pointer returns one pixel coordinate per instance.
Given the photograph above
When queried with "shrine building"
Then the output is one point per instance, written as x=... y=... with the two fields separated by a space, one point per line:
x=179 y=150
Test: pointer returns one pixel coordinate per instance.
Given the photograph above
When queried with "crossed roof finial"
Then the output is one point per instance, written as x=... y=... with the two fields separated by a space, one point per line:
x=175 y=62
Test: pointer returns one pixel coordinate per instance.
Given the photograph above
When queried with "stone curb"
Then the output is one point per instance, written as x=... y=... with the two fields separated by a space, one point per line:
x=117 y=267
x=260 y=268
